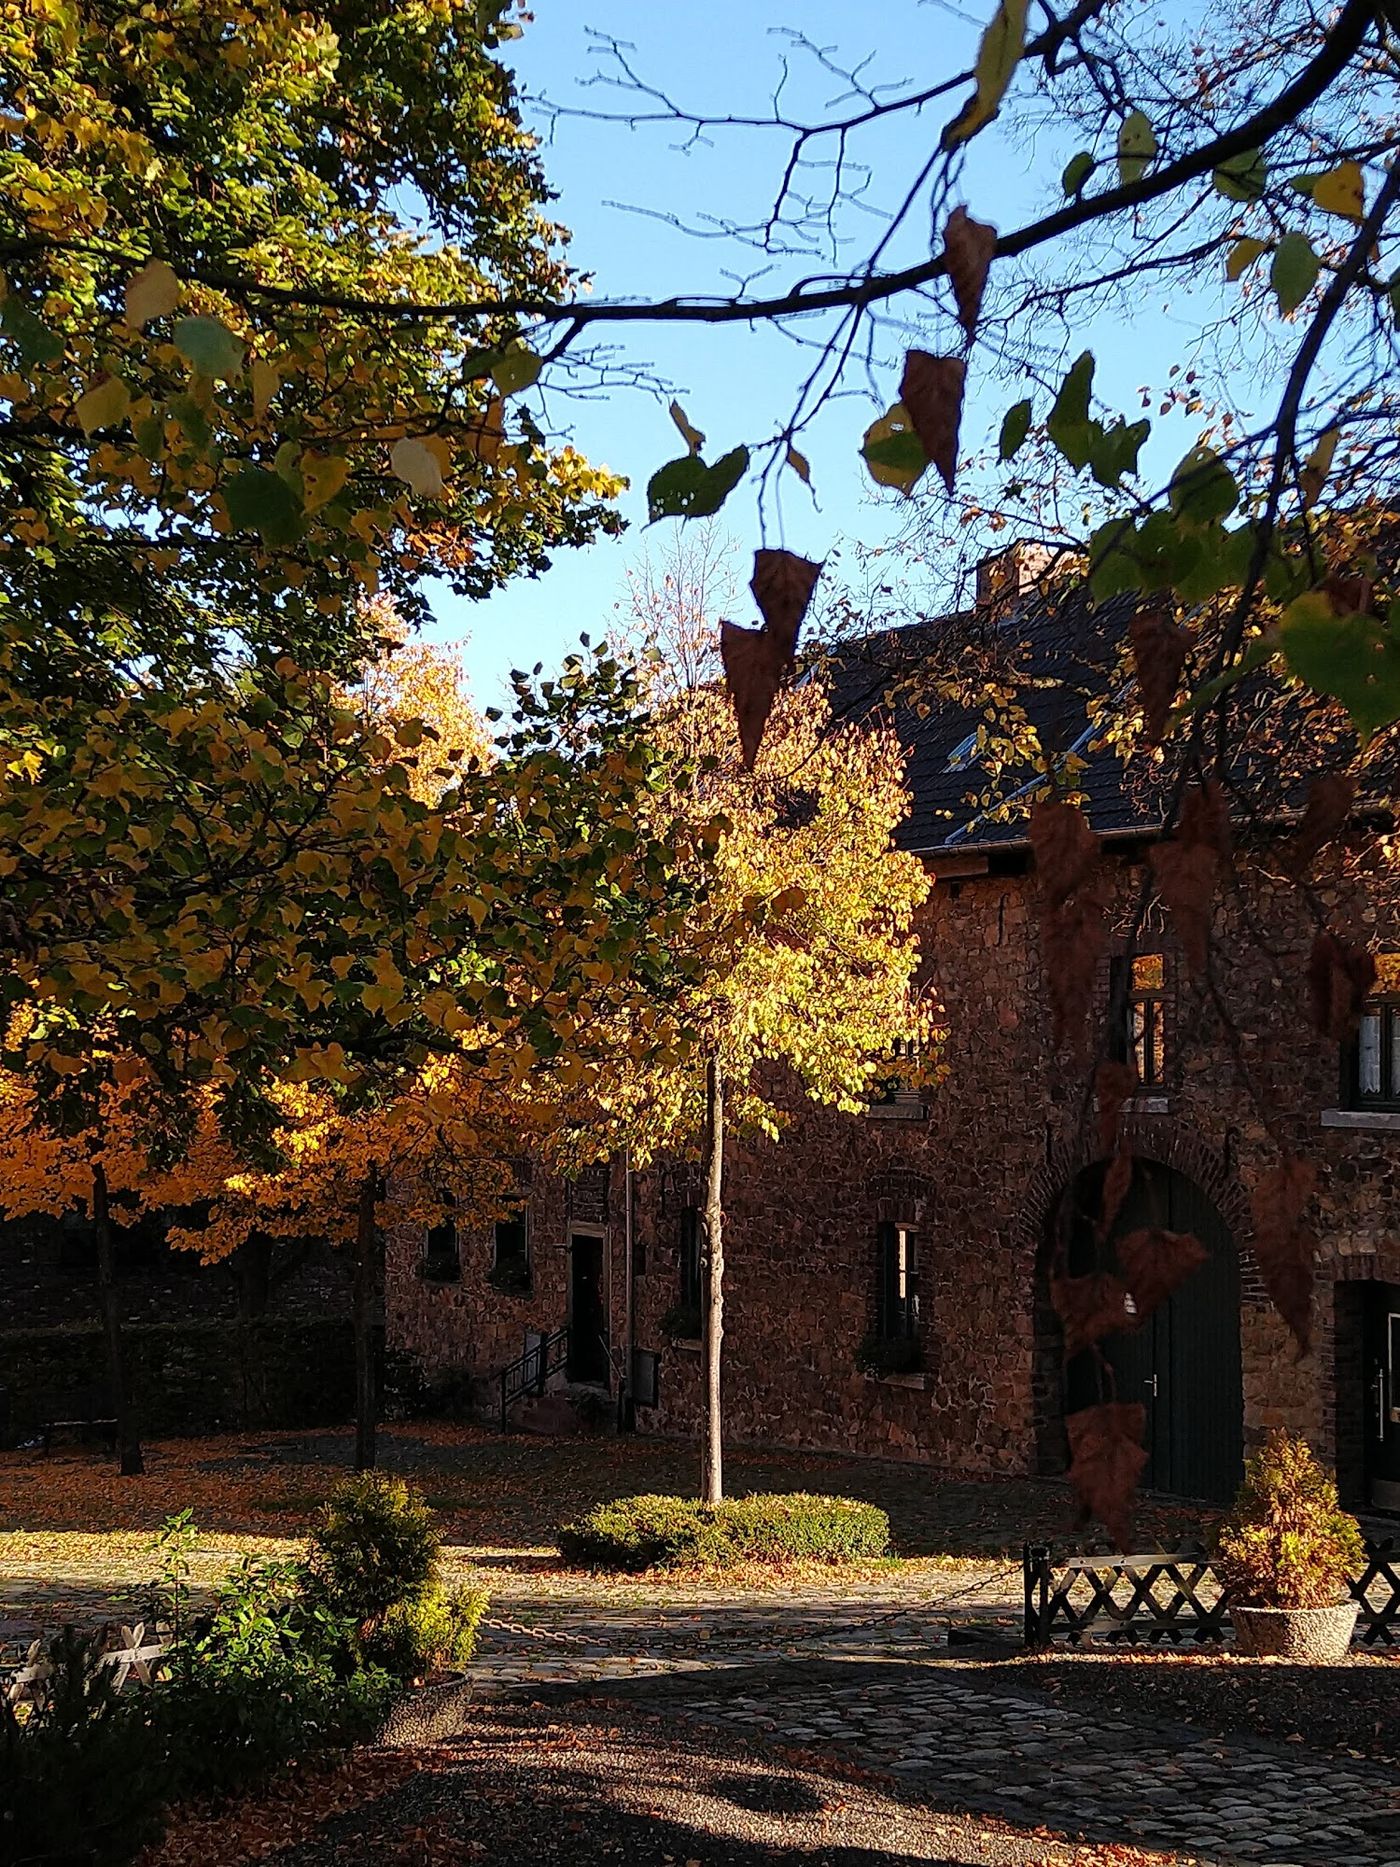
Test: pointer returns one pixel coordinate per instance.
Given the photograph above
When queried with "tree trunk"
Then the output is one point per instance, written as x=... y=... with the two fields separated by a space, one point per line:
x=712 y=1291
x=368 y=1247
x=132 y=1465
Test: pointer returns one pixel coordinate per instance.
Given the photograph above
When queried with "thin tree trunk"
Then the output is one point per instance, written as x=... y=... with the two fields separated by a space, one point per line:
x=712 y=1291
x=132 y=1465
x=368 y=1247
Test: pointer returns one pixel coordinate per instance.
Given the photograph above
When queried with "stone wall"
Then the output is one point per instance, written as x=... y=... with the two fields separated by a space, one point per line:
x=979 y=1173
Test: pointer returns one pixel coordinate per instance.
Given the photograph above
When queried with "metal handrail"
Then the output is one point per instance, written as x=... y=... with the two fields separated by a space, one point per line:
x=528 y=1373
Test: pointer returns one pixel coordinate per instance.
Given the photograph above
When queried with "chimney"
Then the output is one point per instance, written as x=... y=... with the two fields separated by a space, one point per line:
x=1005 y=577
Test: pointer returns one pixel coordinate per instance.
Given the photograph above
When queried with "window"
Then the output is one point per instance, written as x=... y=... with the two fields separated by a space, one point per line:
x=898 y=1319
x=511 y=1263
x=689 y=1292
x=1139 y=985
x=442 y=1257
x=1375 y=1053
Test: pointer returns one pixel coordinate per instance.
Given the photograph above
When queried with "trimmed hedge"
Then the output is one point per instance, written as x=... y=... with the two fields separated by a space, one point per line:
x=673 y=1532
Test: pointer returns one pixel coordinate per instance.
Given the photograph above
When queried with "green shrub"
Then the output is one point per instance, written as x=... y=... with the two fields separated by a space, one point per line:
x=81 y=1779
x=435 y=1633
x=671 y=1532
x=1287 y=1543
x=375 y=1546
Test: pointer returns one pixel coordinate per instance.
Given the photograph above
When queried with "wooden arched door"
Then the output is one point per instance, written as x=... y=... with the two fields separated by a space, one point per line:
x=1183 y=1363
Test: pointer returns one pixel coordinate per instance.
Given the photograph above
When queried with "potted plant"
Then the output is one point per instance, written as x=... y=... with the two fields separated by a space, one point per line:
x=1286 y=1554
x=374 y=1558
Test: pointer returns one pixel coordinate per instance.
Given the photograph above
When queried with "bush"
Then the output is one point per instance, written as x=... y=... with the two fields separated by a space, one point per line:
x=375 y=1546
x=672 y=1532
x=80 y=1777
x=1287 y=1543
x=435 y=1633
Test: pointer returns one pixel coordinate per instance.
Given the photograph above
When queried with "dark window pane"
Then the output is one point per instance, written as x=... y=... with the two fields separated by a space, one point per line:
x=1368 y=1055
x=512 y=1243
x=690 y=1258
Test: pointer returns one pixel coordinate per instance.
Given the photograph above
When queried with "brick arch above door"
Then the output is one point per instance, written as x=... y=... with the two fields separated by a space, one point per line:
x=1153 y=1138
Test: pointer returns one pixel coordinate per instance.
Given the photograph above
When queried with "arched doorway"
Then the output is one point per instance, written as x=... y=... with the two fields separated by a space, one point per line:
x=1183 y=1363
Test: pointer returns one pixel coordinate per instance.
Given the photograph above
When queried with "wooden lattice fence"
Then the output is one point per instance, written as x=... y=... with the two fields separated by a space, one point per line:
x=1174 y=1598
x=133 y=1660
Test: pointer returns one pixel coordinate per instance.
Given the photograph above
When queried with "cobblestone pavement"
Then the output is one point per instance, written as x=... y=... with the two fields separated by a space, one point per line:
x=881 y=1685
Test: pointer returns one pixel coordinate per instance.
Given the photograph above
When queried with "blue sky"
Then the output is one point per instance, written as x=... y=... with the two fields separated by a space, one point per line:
x=737 y=384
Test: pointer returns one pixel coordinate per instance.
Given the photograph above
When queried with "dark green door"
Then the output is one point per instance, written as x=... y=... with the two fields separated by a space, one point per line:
x=1184 y=1362
x=1383 y=1396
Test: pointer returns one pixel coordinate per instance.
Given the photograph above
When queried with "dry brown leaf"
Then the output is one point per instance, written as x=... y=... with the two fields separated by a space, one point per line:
x=755 y=660
x=1330 y=799
x=1160 y=647
x=1340 y=978
x=782 y=587
x=1114 y=1084
x=1072 y=903
x=1106 y=1461
x=1090 y=1307
x=1157 y=1262
x=1186 y=869
x=1065 y=848
x=968 y=248
x=1284 y=1245
x=931 y=389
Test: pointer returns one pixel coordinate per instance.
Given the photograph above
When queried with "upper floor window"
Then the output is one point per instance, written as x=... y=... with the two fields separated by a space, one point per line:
x=688 y=1295
x=1139 y=986
x=1375 y=1053
x=898 y=1317
x=442 y=1257
x=511 y=1262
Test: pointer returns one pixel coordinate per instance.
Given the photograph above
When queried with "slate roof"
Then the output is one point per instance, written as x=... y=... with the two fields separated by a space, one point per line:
x=1061 y=651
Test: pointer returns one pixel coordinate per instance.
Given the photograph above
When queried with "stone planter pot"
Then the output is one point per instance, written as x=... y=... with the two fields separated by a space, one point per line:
x=1319 y=1635
x=426 y=1713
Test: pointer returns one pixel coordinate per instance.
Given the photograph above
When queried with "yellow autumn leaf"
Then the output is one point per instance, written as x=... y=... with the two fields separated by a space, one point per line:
x=1342 y=190
x=799 y=464
x=266 y=382
x=151 y=293
x=418 y=465
x=690 y=434
x=103 y=406
x=1243 y=255
x=322 y=476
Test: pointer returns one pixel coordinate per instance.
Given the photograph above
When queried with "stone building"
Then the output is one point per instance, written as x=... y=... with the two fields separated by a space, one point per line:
x=887 y=1274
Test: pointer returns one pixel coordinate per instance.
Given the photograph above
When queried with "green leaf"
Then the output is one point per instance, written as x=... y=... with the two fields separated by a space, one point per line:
x=1070 y=426
x=1203 y=488
x=1242 y=178
x=33 y=339
x=262 y=502
x=1351 y=657
x=688 y=489
x=1137 y=144
x=516 y=368
x=893 y=452
x=1294 y=271
x=209 y=346
x=1115 y=451
x=997 y=58
x=1077 y=171
x=1303 y=184
x=1015 y=426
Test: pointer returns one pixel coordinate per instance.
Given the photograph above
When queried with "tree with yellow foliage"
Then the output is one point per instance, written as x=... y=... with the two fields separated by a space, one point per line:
x=802 y=936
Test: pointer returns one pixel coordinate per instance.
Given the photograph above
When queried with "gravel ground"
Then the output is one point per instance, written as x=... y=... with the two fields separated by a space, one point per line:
x=566 y=1788
x=1351 y=1710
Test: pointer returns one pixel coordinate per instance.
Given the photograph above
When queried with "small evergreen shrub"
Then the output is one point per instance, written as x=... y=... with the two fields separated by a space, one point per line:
x=1287 y=1543
x=435 y=1633
x=376 y=1545
x=635 y=1533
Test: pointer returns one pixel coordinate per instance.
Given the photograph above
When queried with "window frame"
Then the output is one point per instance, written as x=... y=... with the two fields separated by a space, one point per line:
x=1133 y=1037
x=514 y=1272
x=435 y=1265
x=688 y=1260
x=1385 y=1006
x=898 y=1314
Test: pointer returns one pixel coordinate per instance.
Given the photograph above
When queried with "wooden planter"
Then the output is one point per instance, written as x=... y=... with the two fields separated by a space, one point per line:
x=426 y=1713
x=1321 y=1636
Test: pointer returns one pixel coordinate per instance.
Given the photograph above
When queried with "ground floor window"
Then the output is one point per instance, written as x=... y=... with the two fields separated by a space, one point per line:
x=682 y=1320
x=894 y=1346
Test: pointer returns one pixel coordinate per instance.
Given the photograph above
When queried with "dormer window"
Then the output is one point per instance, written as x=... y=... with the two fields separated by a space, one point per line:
x=1374 y=1062
x=1138 y=999
x=964 y=753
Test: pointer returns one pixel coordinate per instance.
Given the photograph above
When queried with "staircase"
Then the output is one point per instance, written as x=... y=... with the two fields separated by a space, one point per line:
x=528 y=1375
